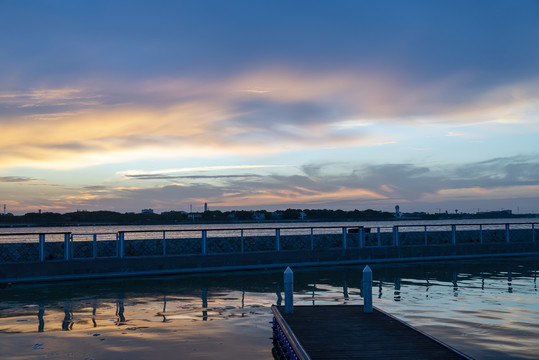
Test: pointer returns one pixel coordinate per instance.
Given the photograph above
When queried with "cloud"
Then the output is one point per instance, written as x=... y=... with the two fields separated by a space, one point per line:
x=486 y=193
x=455 y=133
x=90 y=84
x=16 y=179
x=181 y=38
x=192 y=177
x=315 y=185
x=197 y=119
x=406 y=182
x=47 y=98
x=199 y=168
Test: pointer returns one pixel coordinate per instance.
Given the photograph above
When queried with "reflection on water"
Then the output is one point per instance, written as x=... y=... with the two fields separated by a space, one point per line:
x=487 y=309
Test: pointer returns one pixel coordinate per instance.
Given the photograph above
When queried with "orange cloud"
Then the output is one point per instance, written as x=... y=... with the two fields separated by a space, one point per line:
x=301 y=196
x=193 y=118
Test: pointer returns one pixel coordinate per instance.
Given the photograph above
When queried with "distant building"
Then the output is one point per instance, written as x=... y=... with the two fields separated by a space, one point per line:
x=195 y=216
x=398 y=213
x=259 y=216
x=205 y=207
x=147 y=211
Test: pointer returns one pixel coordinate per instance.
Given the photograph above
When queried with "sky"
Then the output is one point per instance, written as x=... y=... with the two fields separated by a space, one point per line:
x=258 y=104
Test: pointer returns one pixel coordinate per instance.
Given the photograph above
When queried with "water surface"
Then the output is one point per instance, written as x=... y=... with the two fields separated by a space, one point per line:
x=488 y=309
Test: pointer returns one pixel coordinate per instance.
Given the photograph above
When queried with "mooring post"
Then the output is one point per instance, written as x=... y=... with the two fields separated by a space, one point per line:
x=367 y=289
x=288 y=291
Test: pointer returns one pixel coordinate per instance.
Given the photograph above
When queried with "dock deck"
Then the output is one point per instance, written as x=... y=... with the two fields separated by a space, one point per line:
x=346 y=332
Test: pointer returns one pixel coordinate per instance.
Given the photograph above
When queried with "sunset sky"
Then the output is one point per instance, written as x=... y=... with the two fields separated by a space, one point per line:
x=126 y=105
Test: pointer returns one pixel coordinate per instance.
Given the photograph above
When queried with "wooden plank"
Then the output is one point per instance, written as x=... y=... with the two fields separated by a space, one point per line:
x=346 y=332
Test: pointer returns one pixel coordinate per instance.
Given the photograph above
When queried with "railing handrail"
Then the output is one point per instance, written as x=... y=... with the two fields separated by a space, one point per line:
x=37 y=233
x=350 y=226
x=246 y=228
x=478 y=224
x=99 y=233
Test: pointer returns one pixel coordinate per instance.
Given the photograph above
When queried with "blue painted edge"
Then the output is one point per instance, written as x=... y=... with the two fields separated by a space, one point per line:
x=296 y=349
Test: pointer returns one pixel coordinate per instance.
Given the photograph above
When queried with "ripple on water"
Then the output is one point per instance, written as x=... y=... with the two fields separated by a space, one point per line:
x=476 y=310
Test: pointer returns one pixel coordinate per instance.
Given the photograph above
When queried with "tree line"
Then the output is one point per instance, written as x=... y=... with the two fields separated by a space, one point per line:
x=216 y=216
x=179 y=217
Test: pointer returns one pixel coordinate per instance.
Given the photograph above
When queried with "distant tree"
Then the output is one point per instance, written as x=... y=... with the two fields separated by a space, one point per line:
x=243 y=215
x=291 y=214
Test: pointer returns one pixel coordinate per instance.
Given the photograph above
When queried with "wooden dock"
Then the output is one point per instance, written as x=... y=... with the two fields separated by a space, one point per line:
x=346 y=332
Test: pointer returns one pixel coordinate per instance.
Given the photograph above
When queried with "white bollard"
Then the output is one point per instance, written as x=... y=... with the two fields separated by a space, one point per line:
x=288 y=291
x=367 y=289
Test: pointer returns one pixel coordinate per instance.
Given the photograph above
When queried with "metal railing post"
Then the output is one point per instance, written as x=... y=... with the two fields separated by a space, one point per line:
x=164 y=243
x=312 y=239
x=533 y=232
x=507 y=236
x=454 y=234
x=71 y=247
x=242 y=249
x=481 y=233
x=426 y=237
x=94 y=246
x=395 y=235
x=362 y=243
x=41 y=247
x=379 y=237
x=277 y=239
x=121 y=237
x=204 y=239
x=344 y=238
x=66 y=246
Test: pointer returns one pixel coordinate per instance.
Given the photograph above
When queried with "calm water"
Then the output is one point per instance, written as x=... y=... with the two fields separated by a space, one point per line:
x=488 y=309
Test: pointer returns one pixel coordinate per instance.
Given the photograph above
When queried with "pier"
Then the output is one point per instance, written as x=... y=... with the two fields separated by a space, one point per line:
x=335 y=332
x=347 y=332
x=42 y=256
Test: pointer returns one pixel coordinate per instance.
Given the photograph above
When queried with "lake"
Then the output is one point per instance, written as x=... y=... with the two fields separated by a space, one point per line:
x=488 y=309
